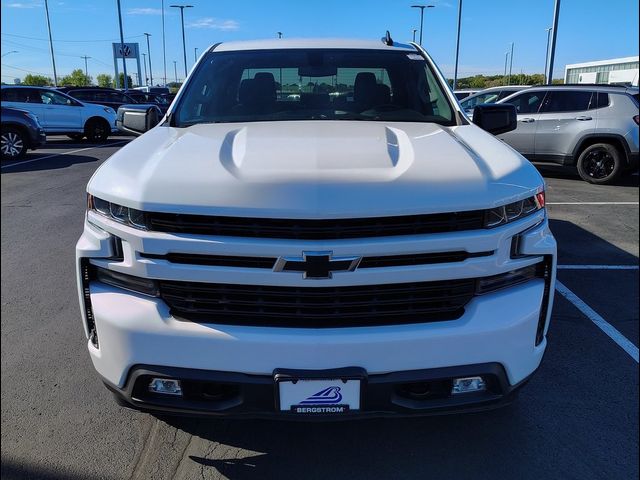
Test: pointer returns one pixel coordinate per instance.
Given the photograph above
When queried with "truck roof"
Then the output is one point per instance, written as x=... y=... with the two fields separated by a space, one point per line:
x=292 y=43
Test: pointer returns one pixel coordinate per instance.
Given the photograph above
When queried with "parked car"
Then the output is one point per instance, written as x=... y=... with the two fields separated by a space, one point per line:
x=151 y=89
x=592 y=127
x=21 y=131
x=109 y=97
x=59 y=113
x=489 y=95
x=330 y=256
x=464 y=93
x=150 y=98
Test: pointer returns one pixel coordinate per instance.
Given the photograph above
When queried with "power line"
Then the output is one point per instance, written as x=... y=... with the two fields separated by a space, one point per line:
x=23 y=70
x=72 y=41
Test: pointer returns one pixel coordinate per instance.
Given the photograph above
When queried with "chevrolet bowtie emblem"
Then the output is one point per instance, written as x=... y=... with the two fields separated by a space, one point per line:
x=317 y=265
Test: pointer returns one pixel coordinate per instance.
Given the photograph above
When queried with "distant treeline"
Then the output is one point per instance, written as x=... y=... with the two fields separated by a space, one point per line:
x=482 y=81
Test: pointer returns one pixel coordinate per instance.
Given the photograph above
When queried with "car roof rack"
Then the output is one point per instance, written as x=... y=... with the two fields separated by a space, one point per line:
x=387 y=40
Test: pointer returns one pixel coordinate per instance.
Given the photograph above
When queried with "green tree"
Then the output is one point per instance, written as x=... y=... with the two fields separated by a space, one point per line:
x=129 y=80
x=104 y=80
x=37 y=80
x=77 y=78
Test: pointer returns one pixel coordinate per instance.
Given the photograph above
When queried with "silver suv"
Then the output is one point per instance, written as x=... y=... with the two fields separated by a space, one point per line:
x=594 y=127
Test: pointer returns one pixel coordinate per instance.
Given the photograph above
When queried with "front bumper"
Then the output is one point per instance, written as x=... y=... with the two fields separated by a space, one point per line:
x=255 y=396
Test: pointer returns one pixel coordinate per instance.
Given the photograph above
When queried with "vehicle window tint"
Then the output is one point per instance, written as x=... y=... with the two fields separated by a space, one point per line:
x=488 y=97
x=599 y=100
x=117 y=97
x=567 y=101
x=83 y=95
x=22 y=95
x=53 y=98
x=528 y=102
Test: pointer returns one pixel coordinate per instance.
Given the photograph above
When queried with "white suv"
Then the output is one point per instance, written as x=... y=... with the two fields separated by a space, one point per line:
x=315 y=229
x=59 y=113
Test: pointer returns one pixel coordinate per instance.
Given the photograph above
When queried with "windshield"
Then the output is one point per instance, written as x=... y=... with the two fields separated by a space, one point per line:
x=479 y=99
x=314 y=84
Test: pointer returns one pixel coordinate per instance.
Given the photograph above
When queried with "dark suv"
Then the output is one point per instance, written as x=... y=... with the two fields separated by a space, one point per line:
x=21 y=131
x=109 y=97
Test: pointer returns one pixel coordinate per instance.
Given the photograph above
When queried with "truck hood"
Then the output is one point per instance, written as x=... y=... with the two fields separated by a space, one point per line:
x=315 y=169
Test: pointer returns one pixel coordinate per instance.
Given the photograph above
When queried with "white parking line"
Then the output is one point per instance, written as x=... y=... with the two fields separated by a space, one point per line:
x=592 y=203
x=61 y=154
x=600 y=322
x=598 y=267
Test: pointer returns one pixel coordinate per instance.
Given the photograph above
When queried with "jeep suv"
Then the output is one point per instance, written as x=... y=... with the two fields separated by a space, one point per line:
x=594 y=127
x=270 y=248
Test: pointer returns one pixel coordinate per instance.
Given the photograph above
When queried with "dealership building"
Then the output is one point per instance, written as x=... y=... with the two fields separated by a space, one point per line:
x=617 y=71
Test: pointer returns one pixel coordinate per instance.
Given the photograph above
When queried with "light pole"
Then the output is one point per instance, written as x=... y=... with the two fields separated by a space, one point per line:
x=195 y=54
x=552 y=54
x=184 y=45
x=86 y=70
x=8 y=53
x=510 y=65
x=144 y=60
x=124 y=60
x=279 y=34
x=175 y=70
x=164 y=49
x=455 y=71
x=414 y=34
x=506 y=59
x=546 y=53
x=422 y=7
x=145 y=65
x=53 y=60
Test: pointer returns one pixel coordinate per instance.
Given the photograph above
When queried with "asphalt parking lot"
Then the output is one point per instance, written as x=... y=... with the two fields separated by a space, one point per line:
x=577 y=417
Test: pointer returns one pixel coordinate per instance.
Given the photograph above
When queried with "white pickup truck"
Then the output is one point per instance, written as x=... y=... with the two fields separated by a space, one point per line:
x=315 y=229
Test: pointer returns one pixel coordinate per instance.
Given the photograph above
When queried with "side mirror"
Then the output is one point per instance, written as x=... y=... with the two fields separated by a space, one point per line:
x=137 y=119
x=496 y=118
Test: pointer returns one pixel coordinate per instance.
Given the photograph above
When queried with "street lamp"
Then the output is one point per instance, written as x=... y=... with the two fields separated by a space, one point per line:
x=455 y=71
x=164 y=49
x=546 y=53
x=175 y=70
x=195 y=54
x=414 y=34
x=8 y=53
x=124 y=59
x=145 y=65
x=279 y=34
x=510 y=65
x=422 y=7
x=506 y=60
x=144 y=60
x=184 y=45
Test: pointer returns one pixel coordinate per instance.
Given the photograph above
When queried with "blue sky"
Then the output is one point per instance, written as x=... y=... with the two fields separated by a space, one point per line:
x=588 y=30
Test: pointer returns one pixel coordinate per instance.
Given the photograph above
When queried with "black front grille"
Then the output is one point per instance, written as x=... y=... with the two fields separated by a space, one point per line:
x=316 y=307
x=314 y=229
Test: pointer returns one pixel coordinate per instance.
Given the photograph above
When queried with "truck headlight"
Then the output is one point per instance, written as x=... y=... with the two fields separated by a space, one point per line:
x=125 y=215
x=514 y=211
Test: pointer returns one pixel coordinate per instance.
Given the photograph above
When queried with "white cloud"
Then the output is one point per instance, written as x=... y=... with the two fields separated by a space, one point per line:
x=215 y=24
x=22 y=5
x=144 y=11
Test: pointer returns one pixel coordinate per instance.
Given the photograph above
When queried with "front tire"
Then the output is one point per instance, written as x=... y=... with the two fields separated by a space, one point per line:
x=97 y=130
x=600 y=163
x=13 y=144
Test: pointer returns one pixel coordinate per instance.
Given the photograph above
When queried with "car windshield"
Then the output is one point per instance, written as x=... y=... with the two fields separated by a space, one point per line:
x=314 y=84
x=488 y=97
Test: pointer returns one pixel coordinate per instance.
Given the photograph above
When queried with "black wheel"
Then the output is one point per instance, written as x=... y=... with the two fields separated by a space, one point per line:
x=76 y=136
x=13 y=144
x=600 y=163
x=97 y=130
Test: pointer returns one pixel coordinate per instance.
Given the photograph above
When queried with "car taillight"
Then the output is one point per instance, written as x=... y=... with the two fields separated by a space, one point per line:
x=636 y=118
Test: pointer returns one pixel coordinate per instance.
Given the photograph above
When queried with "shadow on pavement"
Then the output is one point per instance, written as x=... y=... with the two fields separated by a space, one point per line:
x=11 y=470
x=570 y=173
x=53 y=163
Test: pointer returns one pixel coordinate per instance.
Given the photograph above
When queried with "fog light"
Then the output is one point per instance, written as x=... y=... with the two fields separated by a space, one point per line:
x=468 y=384
x=165 y=386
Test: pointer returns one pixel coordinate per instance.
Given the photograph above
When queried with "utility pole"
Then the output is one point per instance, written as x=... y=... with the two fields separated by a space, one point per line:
x=510 y=65
x=556 y=16
x=86 y=70
x=164 y=49
x=53 y=59
x=184 y=44
x=422 y=7
x=124 y=59
x=455 y=72
x=175 y=70
x=145 y=65
x=144 y=60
